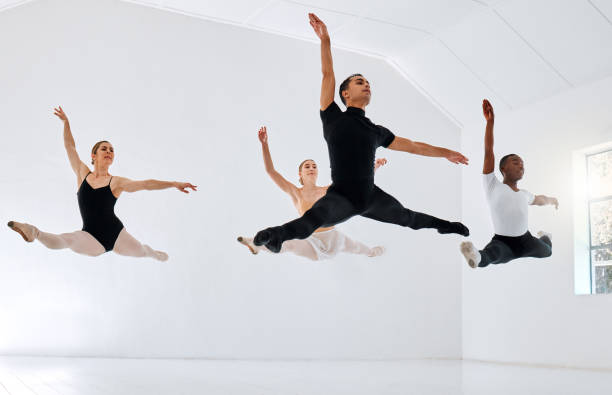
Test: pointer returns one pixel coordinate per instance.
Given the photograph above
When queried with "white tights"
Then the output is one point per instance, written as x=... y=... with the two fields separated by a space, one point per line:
x=84 y=243
x=326 y=245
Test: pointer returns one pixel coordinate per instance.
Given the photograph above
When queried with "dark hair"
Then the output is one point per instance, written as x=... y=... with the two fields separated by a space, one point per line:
x=344 y=86
x=94 y=150
x=503 y=160
x=300 y=168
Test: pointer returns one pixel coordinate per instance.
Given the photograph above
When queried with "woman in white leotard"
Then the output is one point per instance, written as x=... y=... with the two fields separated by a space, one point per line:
x=324 y=243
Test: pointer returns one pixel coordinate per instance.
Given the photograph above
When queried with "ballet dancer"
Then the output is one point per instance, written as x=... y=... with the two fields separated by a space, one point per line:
x=97 y=194
x=509 y=209
x=352 y=140
x=324 y=243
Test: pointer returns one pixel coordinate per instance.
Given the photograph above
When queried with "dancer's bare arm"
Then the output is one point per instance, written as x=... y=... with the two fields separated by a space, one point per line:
x=278 y=179
x=489 y=157
x=541 y=200
x=414 y=147
x=78 y=166
x=328 y=85
x=122 y=184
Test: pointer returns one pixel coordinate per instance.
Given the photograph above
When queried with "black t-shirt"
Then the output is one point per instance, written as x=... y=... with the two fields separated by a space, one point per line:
x=352 y=140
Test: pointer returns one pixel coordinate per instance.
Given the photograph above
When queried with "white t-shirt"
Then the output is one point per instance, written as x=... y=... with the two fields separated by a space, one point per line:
x=508 y=208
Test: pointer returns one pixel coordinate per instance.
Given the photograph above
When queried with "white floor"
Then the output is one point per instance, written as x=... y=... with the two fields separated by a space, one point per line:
x=43 y=376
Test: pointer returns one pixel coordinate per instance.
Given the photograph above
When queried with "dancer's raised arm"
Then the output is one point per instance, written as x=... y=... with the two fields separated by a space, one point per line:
x=278 y=179
x=328 y=85
x=413 y=147
x=78 y=166
x=123 y=184
x=489 y=157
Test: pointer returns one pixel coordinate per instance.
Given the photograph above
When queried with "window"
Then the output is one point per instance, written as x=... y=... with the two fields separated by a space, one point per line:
x=599 y=195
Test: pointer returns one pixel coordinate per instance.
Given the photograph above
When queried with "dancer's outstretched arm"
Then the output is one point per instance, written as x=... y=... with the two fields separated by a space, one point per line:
x=541 y=200
x=278 y=179
x=123 y=184
x=79 y=168
x=413 y=147
x=328 y=85
x=489 y=157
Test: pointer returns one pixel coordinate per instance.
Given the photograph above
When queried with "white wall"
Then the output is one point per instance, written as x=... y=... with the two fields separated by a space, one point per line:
x=181 y=98
x=526 y=311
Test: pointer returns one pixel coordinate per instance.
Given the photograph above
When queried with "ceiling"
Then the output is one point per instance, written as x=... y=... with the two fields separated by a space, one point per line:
x=456 y=52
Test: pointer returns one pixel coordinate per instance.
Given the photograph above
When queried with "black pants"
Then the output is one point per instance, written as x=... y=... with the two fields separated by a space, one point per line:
x=503 y=249
x=347 y=200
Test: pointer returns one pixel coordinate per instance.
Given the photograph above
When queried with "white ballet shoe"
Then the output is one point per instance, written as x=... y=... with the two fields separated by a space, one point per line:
x=471 y=254
x=376 y=251
x=248 y=241
x=27 y=231
x=542 y=233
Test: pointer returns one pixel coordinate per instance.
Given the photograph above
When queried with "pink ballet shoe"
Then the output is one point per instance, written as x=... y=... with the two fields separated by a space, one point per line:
x=27 y=231
x=376 y=251
x=247 y=241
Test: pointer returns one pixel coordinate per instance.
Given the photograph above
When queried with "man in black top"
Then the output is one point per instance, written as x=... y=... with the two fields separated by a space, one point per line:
x=352 y=140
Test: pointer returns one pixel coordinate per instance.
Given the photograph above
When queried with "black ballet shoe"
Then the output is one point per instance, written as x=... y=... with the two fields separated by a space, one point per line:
x=270 y=238
x=455 y=227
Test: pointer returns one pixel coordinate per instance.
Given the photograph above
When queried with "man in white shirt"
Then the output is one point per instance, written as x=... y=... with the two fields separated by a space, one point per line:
x=509 y=209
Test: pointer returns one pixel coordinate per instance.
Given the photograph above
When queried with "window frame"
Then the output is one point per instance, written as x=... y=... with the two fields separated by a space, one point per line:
x=589 y=201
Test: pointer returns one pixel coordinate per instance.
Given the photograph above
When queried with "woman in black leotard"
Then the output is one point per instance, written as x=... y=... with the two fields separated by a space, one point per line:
x=98 y=192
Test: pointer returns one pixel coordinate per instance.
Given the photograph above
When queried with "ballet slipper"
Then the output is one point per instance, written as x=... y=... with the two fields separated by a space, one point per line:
x=376 y=251
x=248 y=241
x=471 y=254
x=542 y=233
x=27 y=231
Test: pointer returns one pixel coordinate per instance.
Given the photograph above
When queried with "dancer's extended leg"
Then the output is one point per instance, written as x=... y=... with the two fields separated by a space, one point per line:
x=385 y=208
x=80 y=241
x=538 y=247
x=496 y=252
x=127 y=245
x=298 y=247
x=330 y=210
x=356 y=247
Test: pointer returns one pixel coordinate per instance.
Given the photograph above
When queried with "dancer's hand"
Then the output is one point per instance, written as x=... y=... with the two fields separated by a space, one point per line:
x=553 y=201
x=318 y=26
x=457 y=157
x=380 y=162
x=487 y=110
x=263 y=135
x=59 y=112
x=182 y=186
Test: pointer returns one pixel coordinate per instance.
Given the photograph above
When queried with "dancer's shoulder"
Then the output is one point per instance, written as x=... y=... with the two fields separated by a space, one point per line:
x=490 y=181
x=331 y=112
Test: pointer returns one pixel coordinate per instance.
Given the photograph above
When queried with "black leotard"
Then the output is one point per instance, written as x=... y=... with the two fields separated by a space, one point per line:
x=97 y=210
x=352 y=140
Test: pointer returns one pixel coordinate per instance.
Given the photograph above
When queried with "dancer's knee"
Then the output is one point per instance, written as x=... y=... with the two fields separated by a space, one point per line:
x=315 y=218
x=545 y=252
x=407 y=219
